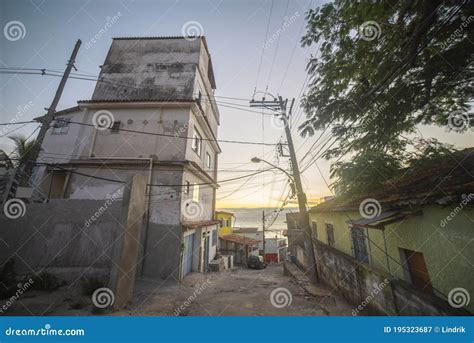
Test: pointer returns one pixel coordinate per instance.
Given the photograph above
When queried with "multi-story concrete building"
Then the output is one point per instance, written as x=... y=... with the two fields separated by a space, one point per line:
x=152 y=113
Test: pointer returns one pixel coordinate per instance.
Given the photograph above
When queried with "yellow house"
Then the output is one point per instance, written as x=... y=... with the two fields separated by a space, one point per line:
x=225 y=219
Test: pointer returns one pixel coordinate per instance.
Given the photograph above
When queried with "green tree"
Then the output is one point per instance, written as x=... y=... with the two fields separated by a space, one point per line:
x=386 y=67
x=22 y=151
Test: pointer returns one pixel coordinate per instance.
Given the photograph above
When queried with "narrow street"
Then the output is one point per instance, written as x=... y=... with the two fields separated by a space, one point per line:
x=239 y=292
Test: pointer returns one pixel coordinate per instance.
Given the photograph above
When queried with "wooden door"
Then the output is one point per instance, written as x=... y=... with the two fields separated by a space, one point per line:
x=418 y=270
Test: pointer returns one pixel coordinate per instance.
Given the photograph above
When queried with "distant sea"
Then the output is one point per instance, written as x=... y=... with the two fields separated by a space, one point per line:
x=252 y=217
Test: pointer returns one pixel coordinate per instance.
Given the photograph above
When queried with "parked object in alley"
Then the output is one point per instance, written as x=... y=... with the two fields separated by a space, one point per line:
x=241 y=248
x=275 y=242
x=256 y=262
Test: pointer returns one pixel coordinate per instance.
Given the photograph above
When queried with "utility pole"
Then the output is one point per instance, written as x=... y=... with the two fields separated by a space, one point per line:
x=48 y=118
x=280 y=106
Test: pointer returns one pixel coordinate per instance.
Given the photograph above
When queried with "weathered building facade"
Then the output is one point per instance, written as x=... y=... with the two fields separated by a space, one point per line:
x=417 y=233
x=152 y=113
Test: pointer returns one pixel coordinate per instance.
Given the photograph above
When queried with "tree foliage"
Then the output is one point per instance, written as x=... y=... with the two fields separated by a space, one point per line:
x=385 y=67
x=21 y=152
x=375 y=170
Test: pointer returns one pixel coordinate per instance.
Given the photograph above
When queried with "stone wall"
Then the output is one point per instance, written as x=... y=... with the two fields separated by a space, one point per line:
x=373 y=291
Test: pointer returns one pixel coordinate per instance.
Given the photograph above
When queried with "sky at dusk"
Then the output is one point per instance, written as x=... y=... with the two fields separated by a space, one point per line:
x=235 y=33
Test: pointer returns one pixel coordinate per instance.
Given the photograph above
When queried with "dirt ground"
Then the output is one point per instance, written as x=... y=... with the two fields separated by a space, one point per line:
x=237 y=292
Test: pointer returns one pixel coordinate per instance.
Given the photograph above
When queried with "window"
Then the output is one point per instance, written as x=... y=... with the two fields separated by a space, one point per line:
x=58 y=184
x=314 y=230
x=61 y=126
x=208 y=160
x=330 y=234
x=197 y=142
x=196 y=192
x=214 y=238
x=187 y=187
x=222 y=221
x=115 y=127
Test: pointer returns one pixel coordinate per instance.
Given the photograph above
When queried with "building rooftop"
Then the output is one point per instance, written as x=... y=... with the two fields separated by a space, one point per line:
x=444 y=183
x=239 y=239
x=225 y=212
x=152 y=68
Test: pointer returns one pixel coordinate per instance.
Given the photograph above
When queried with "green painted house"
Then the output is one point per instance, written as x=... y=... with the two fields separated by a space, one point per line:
x=419 y=229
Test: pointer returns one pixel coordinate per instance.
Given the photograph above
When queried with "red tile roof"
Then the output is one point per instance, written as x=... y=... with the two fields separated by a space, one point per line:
x=239 y=239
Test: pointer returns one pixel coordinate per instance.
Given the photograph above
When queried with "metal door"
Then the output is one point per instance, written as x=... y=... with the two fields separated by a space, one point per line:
x=359 y=244
x=188 y=254
x=206 y=254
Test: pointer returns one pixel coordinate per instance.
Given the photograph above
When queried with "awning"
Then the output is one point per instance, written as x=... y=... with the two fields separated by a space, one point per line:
x=379 y=222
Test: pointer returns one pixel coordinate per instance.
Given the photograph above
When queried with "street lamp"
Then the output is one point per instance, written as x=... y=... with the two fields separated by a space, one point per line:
x=258 y=160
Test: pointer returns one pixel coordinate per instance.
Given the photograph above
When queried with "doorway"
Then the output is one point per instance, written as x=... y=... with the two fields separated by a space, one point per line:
x=359 y=244
x=415 y=269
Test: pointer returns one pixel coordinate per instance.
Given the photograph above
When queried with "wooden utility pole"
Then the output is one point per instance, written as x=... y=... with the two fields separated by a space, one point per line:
x=279 y=105
x=48 y=118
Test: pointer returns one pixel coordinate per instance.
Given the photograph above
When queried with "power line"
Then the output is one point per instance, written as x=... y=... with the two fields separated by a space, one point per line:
x=293 y=51
x=277 y=46
x=19 y=122
x=157 y=185
x=15 y=129
x=398 y=70
x=181 y=137
x=264 y=46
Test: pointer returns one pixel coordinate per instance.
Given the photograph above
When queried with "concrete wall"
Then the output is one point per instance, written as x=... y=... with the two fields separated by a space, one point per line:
x=447 y=249
x=56 y=238
x=154 y=69
x=83 y=141
x=373 y=289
